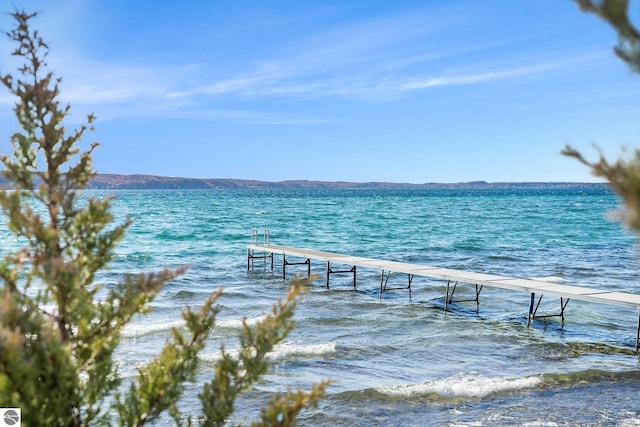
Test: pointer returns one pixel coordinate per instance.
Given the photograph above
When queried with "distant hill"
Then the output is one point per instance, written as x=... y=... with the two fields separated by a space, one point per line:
x=111 y=181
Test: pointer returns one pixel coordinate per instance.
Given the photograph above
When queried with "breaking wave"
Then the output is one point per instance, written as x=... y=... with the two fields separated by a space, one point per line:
x=464 y=385
x=281 y=351
x=287 y=349
x=137 y=330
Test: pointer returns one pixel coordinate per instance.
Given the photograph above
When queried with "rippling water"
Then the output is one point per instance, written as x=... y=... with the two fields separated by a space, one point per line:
x=398 y=360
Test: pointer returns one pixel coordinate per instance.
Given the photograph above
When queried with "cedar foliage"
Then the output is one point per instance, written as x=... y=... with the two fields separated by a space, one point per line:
x=623 y=175
x=58 y=328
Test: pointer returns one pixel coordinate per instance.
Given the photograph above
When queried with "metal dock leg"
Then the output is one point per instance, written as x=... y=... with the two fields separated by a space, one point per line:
x=531 y=309
x=638 y=335
x=328 y=272
x=384 y=281
x=351 y=270
x=446 y=298
x=307 y=262
x=563 y=305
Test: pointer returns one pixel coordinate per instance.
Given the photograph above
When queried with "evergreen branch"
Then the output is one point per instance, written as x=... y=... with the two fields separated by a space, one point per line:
x=233 y=376
x=58 y=364
x=131 y=297
x=283 y=409
x=160 y=384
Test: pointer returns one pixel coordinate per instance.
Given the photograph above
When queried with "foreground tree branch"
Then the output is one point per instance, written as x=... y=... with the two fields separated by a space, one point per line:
x=616 y=14
x=57 y=364
x=622 y=175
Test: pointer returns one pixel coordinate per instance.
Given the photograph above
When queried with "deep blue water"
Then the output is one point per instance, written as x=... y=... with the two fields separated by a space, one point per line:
x=397 y=360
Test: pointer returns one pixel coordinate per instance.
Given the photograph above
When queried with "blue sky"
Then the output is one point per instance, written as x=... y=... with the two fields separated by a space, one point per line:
x=402 y=91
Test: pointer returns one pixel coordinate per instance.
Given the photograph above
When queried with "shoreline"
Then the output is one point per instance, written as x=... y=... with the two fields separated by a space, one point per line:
x=115 y=182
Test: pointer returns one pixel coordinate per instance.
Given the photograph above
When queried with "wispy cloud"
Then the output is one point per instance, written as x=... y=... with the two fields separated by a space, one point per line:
x=479 y=77
x=242 y=116
x=370 y=84
x=379 y=59
x=331 y=62
x=90 y=81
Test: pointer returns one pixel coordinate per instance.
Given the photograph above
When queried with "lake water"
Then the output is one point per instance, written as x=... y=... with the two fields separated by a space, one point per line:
x=400 y=360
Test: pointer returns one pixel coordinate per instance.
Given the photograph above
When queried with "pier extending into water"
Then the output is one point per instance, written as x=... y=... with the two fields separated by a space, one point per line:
x=537 y=289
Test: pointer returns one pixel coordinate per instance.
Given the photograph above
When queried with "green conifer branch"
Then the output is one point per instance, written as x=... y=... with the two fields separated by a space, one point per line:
x=235 y=375
x=57 y=338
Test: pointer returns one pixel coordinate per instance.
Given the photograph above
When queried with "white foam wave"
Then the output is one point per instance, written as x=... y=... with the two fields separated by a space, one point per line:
x=464 y=385
x=213 y=356
x=630 y=422
x=284 y=350
x=134 y=330
x=237 y=323
x=281 y=351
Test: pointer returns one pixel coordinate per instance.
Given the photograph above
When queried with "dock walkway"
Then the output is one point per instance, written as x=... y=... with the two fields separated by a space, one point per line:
x=534 y=287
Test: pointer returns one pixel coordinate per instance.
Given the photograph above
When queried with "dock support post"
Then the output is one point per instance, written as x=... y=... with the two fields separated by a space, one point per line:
x=563 y=305
x=531 y=310
x=478 y=290
x=446 y=298
x=328 y=272
x=532 y=314
x=638 y=334
x=351 y=270
x=385 y=280
x=450 y=296
x=450 y=291
x=307 y=262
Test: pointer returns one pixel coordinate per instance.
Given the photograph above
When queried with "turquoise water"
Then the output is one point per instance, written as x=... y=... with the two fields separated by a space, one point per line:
x=398 y=360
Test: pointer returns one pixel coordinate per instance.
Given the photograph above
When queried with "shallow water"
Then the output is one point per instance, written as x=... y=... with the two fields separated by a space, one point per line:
x=401 y=360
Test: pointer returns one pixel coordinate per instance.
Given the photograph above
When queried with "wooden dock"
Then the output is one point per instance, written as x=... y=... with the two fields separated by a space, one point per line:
x=341 y=264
